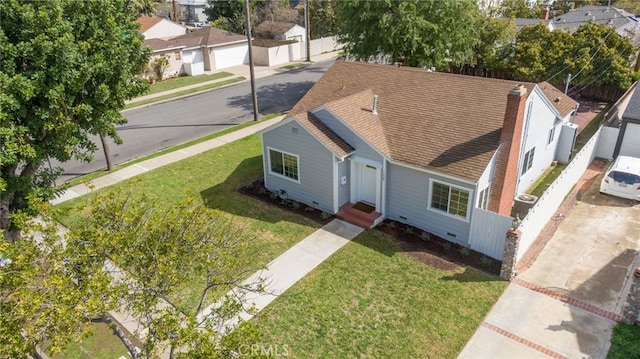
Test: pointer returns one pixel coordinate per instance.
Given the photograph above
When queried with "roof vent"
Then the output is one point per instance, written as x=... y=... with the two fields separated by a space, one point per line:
x=557 y=99
x=374 y=110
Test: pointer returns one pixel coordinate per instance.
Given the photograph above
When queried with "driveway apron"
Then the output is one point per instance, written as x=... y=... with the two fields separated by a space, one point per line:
x=567 y=302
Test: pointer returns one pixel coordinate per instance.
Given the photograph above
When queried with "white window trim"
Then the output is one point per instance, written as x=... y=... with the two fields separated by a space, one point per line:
x=486 y=191
x=551 y=136
x=524 y=163
x=430 y=196
x=278 y=174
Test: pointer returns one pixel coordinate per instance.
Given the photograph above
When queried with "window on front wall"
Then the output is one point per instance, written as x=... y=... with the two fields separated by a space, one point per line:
x=450 y=199
x=528 y=160
x=483 y=198
x=284 y=164
x=178 y=56
x=552 y=133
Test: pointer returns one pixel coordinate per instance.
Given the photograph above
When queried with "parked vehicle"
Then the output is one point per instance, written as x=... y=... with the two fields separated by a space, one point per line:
x=623 y=178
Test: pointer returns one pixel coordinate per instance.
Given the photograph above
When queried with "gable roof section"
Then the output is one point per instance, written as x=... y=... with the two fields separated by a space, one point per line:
x=436 y=121
x=561 y=102
x=159 y=45
x=209 y=36
x=147 y=22
x=327 y=137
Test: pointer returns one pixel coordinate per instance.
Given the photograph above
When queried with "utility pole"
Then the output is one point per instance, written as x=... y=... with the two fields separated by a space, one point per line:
x=254 y=96
x=566 y=88
x=307 y=30
x=175 y=11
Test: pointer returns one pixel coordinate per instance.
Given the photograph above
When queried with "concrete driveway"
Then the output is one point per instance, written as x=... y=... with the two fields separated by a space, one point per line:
x=567 y=302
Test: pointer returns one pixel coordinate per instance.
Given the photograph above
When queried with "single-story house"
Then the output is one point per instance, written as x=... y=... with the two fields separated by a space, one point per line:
x=280 y=31
x=159 y=28
x=170 y=51
x=429 y=149
x=214 y=49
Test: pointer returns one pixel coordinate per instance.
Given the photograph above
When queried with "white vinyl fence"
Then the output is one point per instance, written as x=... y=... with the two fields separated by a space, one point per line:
x=488 y=232
x=607 y=142
x=551 y=199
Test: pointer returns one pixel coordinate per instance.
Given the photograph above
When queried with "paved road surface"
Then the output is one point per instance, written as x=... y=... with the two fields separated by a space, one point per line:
x=163 y=125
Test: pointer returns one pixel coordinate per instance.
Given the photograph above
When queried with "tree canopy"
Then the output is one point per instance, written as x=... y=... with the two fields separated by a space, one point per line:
x=594 y=54
x=425 y=33
x=66 y=69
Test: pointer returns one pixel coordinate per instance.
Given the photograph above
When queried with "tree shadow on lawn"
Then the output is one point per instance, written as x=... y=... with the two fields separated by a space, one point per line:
x=226 y=197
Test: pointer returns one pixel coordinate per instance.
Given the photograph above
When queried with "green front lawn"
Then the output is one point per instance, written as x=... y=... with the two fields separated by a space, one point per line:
x=213 y=176
x=370 y=300
x=101 y=344
x=625 y=342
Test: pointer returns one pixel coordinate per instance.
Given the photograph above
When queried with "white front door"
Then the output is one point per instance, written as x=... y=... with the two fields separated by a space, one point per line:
x=368 y=176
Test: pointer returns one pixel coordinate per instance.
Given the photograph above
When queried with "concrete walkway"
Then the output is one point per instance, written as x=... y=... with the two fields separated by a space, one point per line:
x=291 y=266
x=566 y=303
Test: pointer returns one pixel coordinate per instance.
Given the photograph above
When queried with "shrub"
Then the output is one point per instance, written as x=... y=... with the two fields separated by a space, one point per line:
x=465 y=251
x=309 y=209
x=391 y=225
x=263 y=190
x=425 y=236
x=485 y=261
x=295 y=204
x=273 y=196
x=408 y=230
x=446 y=246
x=326 y=215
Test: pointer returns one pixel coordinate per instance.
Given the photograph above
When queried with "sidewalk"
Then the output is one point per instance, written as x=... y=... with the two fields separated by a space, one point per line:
x=237 y=72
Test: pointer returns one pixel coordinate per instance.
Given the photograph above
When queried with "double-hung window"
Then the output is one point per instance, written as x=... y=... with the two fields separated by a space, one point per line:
x=284 y=164
x=528 y=160
x=450 y=199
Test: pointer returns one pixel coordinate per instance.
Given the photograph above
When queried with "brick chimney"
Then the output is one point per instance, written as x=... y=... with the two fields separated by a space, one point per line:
x=503 y=185
x=545 y=13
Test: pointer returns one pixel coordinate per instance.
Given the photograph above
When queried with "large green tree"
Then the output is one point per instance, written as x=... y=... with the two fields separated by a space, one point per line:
x=66 y=69
x=426 y=33
x=322 y=18
x=594 y=54
x=495 y=45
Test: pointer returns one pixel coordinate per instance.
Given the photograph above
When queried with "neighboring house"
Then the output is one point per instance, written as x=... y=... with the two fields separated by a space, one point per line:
x=159 y=28
x=625 y=115
x=625 y=23
x=280 y=31
x=195 y=9
x=521 y=22
x=211 y=49
x=438 y=151
x=168 y=49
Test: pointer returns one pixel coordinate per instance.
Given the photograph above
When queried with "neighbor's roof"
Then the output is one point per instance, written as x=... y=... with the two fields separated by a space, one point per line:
x=209 y=36
x=274 y=27
x=146 y=22
x=606 y=15
x=158 y=45
x=441 y=122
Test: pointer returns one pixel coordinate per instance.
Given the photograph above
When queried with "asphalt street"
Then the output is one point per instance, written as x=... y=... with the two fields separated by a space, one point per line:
x=155 y=127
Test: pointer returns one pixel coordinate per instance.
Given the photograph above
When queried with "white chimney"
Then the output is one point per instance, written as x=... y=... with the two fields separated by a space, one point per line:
x=375 y=105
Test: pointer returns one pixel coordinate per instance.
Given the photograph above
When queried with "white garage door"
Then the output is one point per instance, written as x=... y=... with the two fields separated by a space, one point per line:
x=232 y=55
x=630 y=145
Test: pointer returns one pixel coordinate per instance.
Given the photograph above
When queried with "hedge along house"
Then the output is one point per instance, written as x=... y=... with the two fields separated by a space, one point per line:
x=444 y=153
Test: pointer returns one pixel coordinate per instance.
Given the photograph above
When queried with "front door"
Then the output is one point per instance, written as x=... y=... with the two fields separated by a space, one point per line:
x=368 y=184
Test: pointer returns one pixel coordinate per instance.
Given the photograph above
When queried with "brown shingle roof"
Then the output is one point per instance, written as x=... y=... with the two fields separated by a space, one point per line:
x=159 y=44
x=563 y=103
x=209 y=36
x=441 y=122
x=324 y=134
x=146 y=22
x=272 y=28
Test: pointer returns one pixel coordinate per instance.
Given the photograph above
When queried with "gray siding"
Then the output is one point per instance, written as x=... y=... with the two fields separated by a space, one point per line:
x=344 y=190
x=408 y=197
x=315 y=166
x=362 y=149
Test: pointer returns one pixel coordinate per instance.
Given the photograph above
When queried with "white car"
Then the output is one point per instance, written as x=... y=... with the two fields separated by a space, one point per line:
x=622 y=178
